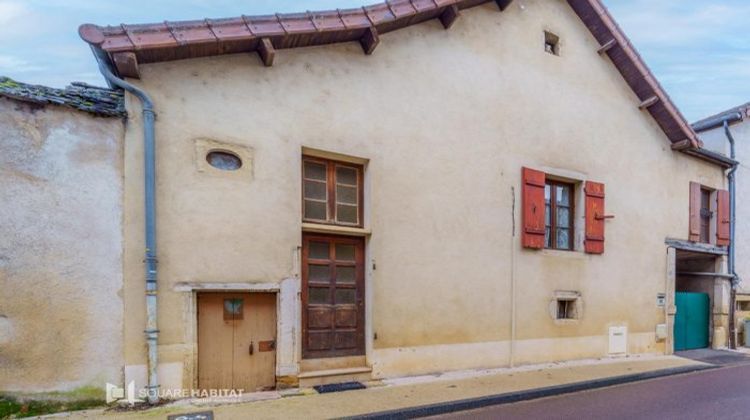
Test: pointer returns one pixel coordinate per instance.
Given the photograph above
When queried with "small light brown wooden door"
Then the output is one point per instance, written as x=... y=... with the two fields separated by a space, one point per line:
x=333 y=296
x=237 y=341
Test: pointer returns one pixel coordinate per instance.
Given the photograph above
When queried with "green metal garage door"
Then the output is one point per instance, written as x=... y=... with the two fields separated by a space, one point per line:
x=691 y=321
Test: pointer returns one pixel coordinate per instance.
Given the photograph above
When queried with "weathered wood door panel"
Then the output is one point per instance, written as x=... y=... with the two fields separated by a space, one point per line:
x=236 y=341
x=333 y=296
x=215 y=336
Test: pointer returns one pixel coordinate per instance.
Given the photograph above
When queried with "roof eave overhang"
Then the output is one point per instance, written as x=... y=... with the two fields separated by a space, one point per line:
x=129 y=45
x=732 y=117
x=712 y=157
x=616 y=45
x=124 y=47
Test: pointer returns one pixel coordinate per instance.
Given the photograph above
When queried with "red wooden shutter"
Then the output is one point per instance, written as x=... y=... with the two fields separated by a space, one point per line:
x=595 y=217
x=695 y=212
x=533 y=208
x=723 y=222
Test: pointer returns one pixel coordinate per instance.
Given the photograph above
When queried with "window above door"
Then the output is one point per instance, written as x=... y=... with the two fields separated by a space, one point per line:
x=709 y=215
x=332 y=192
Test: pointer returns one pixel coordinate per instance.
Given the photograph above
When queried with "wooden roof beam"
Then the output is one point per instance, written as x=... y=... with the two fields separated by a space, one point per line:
x=607 y=46
x=649 y=102
x=449 y=16
x=682 y=145
x=266 y=51
x=369 y=40
x=126 y=64
x=503 y=4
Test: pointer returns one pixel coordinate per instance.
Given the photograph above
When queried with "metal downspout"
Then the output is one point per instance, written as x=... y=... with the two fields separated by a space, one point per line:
x=152 y=331
x=732 y=212
x=513 y=286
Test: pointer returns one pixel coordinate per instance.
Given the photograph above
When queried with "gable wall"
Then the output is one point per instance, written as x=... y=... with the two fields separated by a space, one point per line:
x=447 y=119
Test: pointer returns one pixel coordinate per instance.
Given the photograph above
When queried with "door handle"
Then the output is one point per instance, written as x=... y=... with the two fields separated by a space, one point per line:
x=251 y=350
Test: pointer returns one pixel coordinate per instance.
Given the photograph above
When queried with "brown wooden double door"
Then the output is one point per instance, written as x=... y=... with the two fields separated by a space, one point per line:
x=237 y=341
x=333 y=296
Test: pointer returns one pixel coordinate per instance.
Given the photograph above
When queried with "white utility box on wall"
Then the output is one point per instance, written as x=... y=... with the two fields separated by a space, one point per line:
x=661 y=332
x=618 y=340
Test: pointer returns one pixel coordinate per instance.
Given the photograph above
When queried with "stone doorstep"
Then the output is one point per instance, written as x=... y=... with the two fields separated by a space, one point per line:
x=310 y=365
x=334 y=372
x=333 y=376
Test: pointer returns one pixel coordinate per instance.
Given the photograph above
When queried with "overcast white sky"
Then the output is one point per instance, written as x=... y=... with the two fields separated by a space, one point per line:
x=699 y=50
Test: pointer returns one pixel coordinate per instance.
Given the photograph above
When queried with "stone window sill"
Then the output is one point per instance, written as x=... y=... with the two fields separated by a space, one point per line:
x=575 y=254
x=336 y=230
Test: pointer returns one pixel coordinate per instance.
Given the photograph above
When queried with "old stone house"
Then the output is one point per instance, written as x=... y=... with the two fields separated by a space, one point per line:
x=410 y=187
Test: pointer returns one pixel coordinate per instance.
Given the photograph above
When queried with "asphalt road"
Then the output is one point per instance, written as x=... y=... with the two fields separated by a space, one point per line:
x=722 y=393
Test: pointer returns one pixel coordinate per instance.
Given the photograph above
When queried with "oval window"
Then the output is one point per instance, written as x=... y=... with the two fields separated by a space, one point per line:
x=225 y=161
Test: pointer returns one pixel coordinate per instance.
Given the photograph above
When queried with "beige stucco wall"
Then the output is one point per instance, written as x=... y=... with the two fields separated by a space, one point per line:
x=60 y=248
x=446 y=119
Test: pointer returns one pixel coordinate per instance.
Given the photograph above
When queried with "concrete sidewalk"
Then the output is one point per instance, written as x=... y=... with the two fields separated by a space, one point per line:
x=401 y=393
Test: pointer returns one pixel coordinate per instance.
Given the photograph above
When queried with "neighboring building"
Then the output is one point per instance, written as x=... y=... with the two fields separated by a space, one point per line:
x=712 y=133
x=344 y=216
x=716 y=139
x=61 y=308
x=742 y=313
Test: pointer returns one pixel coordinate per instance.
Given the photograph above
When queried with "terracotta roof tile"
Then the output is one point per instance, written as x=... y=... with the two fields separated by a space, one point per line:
x=179 y=40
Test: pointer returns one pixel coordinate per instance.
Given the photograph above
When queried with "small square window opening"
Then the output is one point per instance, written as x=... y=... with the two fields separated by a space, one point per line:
x=566 y=309
x=551 y=43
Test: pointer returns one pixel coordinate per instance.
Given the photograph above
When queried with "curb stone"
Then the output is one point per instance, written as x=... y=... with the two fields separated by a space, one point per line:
x=531 y=394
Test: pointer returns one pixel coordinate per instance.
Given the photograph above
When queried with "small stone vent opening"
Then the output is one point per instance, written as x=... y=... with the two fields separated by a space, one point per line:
x=551 y=43
x=566 y=306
